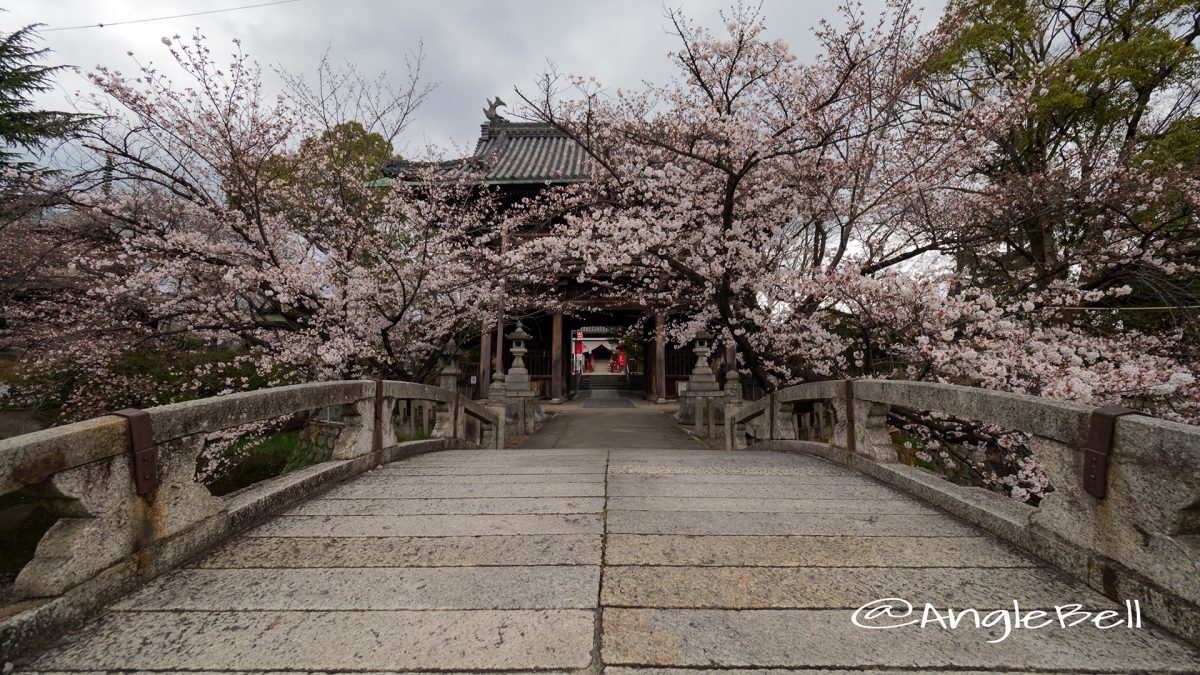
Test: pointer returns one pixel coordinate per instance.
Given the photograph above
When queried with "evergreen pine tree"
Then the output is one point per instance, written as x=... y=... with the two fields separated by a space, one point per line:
x=23 y=128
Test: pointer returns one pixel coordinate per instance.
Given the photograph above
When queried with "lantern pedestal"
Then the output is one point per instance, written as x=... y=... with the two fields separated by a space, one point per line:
x=523 y=411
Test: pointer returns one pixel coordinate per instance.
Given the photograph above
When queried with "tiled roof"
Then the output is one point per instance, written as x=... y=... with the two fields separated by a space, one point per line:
x=512 y=153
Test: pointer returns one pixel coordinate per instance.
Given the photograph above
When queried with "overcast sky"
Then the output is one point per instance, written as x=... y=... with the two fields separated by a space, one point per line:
x=474 y=49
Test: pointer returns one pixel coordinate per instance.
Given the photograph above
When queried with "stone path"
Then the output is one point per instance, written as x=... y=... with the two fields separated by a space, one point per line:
x=636 y=424
x=623 y=560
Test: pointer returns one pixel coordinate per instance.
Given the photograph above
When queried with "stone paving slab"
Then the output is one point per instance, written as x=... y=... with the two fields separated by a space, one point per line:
x=624 y=670
x=719 y=459
x=500 y=465
x=721 y=522
x=702 y=454
x=401 y=469
x=506 y=457
x=705 y=479
x=376 y=588
x=427 y=526
x=486 y=505
x=509 y=454
x=733 y=470
x=589 y=430
x=242 y=641
x=487 y=479
x=864 y=489
x=441 y=551
x=716 y=458
x=619 y=670
x=880 y=506
x=808 y=551
x=301 y=671
x=514 y=453
x=376 y=490
x=827 y=639
x=839 y=587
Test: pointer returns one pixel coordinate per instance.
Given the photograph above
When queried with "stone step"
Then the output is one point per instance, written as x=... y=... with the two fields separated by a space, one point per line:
x=373 y=589
x=428 y=526
x=840 y=587
x=808 y=551
x=469 y=506
x=331 y=641
x=435 y=551
x=826 y=639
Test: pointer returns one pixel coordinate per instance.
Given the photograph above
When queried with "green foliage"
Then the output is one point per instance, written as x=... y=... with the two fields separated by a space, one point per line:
x=630 y=341
x=416 y=435
x=1178 y=145
x=255 y=459
x=22 y=127
x=1111 y=83
x=352 y=147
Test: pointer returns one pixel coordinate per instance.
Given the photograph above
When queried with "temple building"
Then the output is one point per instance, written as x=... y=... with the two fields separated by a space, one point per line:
x=519 y=160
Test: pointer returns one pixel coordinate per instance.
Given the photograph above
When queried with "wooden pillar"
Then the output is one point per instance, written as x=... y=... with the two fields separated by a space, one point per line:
x=485 y=362
x=556 y=357
x=660 y=357
x=647 y=364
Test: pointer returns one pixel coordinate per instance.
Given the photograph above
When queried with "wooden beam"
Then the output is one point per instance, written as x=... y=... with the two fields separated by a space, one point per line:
x=660 y=356
x=556 y=357
x=485 y=361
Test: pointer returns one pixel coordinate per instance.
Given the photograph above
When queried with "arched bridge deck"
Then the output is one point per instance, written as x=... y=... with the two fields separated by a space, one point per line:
x=613 y=559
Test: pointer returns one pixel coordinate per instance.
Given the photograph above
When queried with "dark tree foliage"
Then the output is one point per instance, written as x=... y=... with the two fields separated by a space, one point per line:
x=23 y=127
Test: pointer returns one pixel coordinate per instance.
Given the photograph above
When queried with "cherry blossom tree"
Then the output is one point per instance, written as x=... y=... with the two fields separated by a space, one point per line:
x=735 y=192
x=238 y=236
x=851 y=218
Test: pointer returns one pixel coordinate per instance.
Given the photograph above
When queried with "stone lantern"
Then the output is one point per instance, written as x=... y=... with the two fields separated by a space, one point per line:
x=702 y=350
x=518 y=338
x=449 y=376
x=702 y=403
x=523 y=409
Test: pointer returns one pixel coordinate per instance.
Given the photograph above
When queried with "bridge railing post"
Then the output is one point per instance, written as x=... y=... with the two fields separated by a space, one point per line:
x=358 y=430
x=861 y=427
x=735 y=432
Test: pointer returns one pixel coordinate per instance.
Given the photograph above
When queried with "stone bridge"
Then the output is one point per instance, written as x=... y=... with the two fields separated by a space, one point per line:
x=609 y=540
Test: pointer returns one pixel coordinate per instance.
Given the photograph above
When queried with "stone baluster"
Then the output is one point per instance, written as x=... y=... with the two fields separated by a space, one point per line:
x=735 y=434
x=358 y=423
x=497 y=403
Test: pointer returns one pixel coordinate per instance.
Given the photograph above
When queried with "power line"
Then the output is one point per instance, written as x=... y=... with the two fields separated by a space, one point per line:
x=164 y=18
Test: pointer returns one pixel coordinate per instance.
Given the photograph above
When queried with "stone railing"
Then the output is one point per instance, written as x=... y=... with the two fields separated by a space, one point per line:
x=1124 y=515
x=129 y=506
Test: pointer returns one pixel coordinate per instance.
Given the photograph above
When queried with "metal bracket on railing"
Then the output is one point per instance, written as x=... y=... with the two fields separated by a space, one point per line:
x=771 y=416
x=377 y=431
x=141 y=445
x=454 y=417
x=851 y=436
x=1096 y=454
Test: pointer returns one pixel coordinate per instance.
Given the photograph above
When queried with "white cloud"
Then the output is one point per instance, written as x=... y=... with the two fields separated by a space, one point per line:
x=475 y=49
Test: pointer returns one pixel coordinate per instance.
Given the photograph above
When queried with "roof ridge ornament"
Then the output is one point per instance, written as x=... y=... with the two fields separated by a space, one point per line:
x=490 y=111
